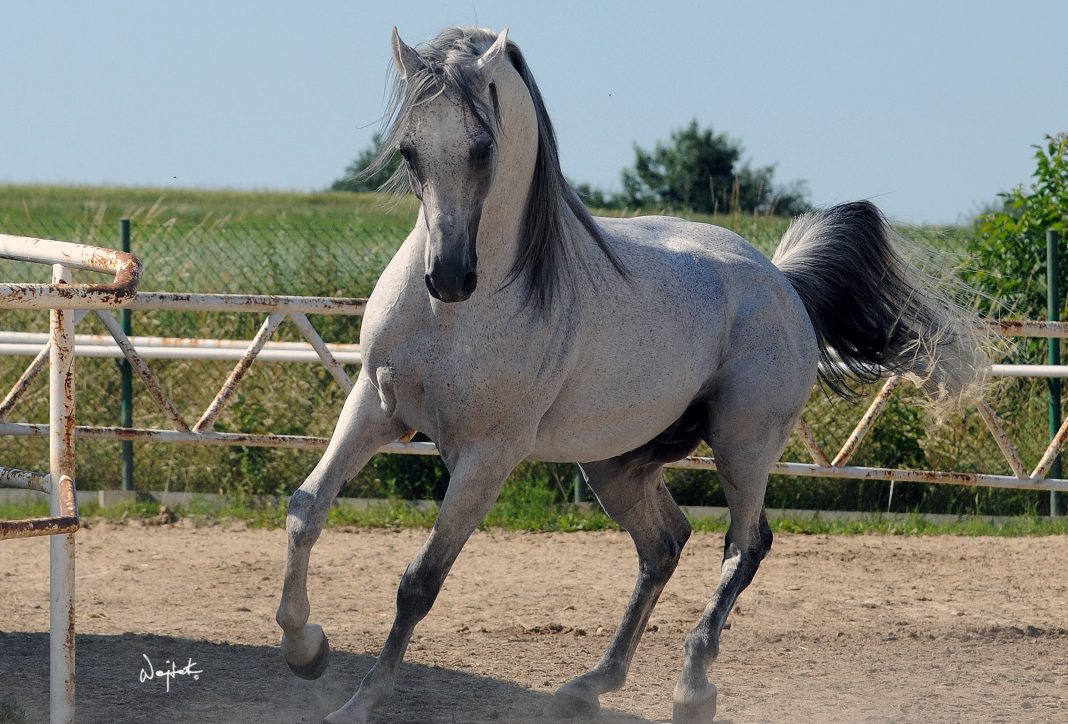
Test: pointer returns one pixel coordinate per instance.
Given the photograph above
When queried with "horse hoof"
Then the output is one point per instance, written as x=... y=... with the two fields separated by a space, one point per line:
x=699 y=711
x=315 y=667
x=570 y=705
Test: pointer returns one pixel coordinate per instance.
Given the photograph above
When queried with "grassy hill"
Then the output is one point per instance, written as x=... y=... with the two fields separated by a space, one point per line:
x=92 y=213
x=88 y=207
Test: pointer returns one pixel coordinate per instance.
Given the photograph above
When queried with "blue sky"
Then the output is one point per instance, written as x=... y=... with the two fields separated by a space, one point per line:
x=929 y=108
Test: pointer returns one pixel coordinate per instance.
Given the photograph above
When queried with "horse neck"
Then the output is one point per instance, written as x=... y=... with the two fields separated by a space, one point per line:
x=499 y=231
x=499 y=242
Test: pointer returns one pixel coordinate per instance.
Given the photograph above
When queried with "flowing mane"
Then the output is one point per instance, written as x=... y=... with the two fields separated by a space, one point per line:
x=547 y=259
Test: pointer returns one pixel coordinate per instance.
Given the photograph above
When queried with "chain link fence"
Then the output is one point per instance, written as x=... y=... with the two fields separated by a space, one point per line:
x=302 y=399
x=285 y=398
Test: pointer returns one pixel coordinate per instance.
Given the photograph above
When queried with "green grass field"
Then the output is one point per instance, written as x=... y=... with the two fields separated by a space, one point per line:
x=93 y=212
x=101 y=207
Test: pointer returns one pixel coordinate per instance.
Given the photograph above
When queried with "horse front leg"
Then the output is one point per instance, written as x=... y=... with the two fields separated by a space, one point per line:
x=477 y=477
x=362 y=429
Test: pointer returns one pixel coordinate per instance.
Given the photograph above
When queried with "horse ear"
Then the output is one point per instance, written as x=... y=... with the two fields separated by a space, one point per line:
x=488 y=61
x=405 y=57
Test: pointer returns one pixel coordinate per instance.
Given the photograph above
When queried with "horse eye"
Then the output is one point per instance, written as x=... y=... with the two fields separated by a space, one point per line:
x=482 y=153
x=406 y=153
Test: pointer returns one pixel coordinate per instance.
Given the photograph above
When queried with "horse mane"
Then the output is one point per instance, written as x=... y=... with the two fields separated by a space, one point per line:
x=546 y=262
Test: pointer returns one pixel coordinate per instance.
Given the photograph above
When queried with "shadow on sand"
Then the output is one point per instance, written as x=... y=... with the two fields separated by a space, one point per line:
x=246 y=684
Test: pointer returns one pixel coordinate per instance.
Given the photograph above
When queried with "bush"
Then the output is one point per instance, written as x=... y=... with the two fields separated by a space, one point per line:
x=1010 y=251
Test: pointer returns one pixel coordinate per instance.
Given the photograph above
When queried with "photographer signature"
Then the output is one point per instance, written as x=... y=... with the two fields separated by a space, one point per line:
x=171 y=674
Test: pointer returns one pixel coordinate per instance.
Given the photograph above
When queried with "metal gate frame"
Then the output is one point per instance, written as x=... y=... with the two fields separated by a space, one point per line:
x=59 y=297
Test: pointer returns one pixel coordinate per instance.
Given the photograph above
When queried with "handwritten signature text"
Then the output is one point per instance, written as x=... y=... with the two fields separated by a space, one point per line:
x=169 y=675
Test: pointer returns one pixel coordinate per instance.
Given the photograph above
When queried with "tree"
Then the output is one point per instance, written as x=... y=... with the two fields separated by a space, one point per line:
x=699 y=170
x=356 y=180
x=594 y=197
x=1011 y=248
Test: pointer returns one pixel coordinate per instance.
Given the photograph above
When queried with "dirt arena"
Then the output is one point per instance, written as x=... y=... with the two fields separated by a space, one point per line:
x=851 y=629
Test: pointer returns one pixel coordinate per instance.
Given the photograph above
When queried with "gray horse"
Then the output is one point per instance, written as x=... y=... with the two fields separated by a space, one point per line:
x=511 y=324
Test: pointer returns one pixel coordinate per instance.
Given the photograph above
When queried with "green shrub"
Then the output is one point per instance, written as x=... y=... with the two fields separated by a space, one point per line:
x=1010 y=251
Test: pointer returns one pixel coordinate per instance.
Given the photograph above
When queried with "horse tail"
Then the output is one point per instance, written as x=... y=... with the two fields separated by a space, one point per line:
x=875 y=312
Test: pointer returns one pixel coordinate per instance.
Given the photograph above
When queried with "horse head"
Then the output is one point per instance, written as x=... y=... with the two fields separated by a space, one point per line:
x=450 y=137
x=480 y=154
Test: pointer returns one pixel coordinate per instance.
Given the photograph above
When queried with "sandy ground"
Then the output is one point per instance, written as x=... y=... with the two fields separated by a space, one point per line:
x=853 y=629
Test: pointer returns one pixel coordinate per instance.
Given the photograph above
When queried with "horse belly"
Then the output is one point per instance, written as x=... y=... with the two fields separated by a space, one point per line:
x=597 y=419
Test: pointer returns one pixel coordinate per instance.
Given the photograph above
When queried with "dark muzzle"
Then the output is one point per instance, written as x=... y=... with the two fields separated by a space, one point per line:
x=451 y=285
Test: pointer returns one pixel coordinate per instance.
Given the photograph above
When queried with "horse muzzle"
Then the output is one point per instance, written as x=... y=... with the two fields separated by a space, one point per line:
x=451 y=264
x=451 y=283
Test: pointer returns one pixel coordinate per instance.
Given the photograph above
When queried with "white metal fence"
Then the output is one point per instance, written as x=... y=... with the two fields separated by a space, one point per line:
x=278 y=309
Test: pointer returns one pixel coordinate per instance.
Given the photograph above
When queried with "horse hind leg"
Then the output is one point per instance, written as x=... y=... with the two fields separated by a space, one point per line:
x=638 y=500
x=362 y=428
x=746 y=445
x=745 y=546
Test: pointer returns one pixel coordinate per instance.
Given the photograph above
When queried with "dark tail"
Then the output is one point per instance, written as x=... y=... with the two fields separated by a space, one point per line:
x=873 y=311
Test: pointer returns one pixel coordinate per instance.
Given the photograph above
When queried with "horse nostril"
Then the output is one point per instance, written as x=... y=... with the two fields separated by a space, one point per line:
x=470 y=282
x=430 y=287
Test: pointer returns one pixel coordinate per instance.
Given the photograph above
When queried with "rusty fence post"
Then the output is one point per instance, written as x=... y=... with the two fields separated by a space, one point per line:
x=63 y=298
x=61 y=547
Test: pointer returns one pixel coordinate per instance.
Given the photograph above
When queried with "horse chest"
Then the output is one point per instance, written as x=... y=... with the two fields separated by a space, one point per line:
x=451 y=384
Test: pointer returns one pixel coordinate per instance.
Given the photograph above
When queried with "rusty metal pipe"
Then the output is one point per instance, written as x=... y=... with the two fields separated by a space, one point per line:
x=809 y=439
x=866 y=422
x=906 y=476
x=247 y=303
x=138 y=365
x=126 y=268
x=40 y=360
x=1012 y=455
x=61 y=646
x=1025 y=328
x=325 y=355
x=25 y=480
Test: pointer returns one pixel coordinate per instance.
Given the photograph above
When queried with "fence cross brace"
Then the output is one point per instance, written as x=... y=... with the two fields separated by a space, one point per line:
x=867 y=421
